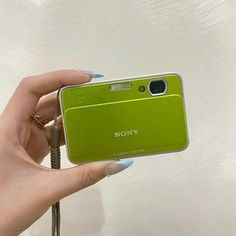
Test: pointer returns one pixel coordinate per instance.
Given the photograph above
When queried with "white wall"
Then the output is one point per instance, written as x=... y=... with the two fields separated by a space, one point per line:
x=192 y=193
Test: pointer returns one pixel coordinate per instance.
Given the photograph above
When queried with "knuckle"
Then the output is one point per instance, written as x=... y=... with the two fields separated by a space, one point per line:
x=25 y=83
x=87 y=178
x=28 y=84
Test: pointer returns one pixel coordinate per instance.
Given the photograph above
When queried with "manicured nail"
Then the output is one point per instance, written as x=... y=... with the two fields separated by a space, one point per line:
x=96 y=74
x=118 y=166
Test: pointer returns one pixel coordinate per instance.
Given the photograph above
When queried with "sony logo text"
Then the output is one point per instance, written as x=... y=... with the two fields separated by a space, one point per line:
x=126 y=133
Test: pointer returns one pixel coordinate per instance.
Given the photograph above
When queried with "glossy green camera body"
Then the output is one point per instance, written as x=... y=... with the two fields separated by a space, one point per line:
x=122 y=118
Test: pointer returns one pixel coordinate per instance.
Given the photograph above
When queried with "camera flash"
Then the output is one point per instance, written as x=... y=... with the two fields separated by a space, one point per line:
x=120 y=86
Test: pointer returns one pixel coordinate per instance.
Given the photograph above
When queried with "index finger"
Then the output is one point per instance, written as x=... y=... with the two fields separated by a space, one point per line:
x=26 y=96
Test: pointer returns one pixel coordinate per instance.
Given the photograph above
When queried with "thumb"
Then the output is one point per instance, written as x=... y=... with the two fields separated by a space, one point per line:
x=62 y=183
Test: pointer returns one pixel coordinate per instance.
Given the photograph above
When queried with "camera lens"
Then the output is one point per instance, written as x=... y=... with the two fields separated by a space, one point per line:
x=157 y=87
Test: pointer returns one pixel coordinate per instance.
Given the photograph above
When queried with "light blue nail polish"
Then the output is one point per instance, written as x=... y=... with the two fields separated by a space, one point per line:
x=96 y=74
x=125 y=162
x=118 y=166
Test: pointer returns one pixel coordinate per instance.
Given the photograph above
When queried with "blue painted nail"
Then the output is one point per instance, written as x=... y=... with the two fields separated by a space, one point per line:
x=96 y=74
x=118 y=166
x=125 y=162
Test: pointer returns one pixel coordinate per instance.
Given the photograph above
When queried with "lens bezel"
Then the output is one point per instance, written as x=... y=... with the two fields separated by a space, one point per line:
x=157 y=94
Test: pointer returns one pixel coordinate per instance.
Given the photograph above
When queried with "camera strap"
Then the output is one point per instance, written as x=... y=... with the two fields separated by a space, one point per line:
x=55 y=154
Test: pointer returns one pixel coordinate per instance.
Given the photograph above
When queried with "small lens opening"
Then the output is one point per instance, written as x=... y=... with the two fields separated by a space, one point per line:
x=141 y=88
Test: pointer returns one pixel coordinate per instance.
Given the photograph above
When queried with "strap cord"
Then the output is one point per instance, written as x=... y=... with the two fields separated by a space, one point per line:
x=56 y=164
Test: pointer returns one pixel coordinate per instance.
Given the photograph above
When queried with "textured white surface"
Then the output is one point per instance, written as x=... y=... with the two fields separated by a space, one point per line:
x=192 y=193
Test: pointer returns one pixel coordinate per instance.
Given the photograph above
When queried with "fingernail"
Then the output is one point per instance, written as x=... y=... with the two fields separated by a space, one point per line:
x=96 y=74
x=118 y=166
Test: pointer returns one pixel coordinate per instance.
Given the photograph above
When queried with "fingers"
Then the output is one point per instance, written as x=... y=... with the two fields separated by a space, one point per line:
x=46 y=107
x=62 y=183
x=27 y=94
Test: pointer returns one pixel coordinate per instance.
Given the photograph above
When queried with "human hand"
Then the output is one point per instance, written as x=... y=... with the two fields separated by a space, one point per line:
x=26 y=189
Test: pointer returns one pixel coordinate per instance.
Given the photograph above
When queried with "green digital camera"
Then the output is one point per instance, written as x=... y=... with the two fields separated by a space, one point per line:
x=123 y=118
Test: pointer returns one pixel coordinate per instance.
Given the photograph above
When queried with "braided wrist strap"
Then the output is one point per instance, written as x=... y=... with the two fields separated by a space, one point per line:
x=56 y=164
